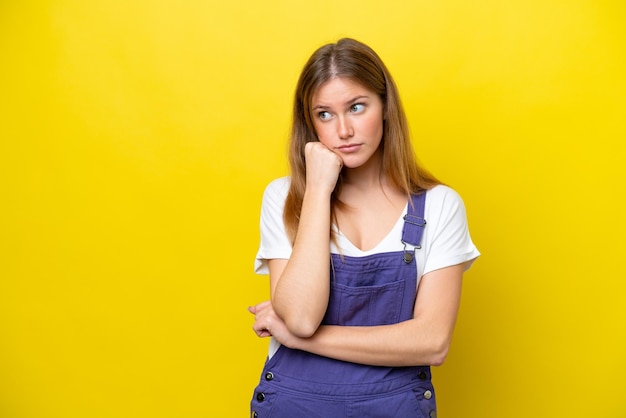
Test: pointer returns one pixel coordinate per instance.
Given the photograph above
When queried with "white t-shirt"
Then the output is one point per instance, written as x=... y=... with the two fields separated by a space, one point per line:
x=446 y=240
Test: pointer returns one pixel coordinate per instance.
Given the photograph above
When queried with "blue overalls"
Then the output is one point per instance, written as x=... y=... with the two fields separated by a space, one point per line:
x=377 y=289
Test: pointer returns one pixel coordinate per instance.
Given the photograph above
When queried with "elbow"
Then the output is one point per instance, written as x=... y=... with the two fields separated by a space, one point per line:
x=301 y=320
x=299 y=323
x=302 y=328
x=439 y=352
x=438 y=357
x=433 y=353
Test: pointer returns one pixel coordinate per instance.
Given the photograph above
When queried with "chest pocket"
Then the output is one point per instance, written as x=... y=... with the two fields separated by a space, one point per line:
x=374 y=290
x=365 y=305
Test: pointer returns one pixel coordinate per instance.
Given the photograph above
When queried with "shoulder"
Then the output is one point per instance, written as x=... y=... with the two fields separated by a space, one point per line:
x=443 y=196
x=275 y=194
x=277 y=188
x=444 y=207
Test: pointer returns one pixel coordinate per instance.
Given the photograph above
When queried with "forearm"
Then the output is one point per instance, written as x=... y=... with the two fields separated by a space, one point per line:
x=408 y=343
x=422 y=340
x=300 y=295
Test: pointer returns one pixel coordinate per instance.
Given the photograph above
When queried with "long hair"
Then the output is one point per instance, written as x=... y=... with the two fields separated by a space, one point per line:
x=354 y=60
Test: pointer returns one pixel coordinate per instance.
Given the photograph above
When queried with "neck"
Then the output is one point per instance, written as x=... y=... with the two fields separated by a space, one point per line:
x=366 y=176
x=365 y=185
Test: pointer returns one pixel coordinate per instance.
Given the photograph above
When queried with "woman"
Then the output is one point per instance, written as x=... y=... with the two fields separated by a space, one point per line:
x=365 y=252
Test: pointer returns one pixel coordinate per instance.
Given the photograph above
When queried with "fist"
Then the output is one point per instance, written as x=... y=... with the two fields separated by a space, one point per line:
x=322 y=165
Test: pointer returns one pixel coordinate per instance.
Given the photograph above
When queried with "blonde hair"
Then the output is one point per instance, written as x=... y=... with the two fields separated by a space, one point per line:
x=354 y=60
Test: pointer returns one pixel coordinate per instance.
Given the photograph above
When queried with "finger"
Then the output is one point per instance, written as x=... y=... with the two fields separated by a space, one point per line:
x=259 y=306
x=261 y=332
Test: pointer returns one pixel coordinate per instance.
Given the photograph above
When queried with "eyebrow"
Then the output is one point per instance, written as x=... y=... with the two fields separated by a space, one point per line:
x=348 y=103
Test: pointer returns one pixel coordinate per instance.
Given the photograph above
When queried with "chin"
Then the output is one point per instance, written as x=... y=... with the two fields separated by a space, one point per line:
x=355 y=162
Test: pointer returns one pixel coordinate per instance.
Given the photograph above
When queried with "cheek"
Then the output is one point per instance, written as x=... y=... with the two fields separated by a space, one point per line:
x=374 y=126
x=323 y=133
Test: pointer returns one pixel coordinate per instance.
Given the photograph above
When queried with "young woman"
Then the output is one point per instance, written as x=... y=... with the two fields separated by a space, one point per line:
x=365 y=251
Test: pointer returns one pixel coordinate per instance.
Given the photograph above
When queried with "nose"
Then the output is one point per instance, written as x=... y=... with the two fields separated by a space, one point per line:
x=344 y=128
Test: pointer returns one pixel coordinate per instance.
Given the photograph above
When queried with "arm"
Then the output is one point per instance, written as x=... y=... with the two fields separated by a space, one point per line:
x=423 y=340
x=300 y=286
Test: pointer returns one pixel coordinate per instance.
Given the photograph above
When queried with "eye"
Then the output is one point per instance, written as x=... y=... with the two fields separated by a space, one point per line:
x=324 y=115
x=357 y=108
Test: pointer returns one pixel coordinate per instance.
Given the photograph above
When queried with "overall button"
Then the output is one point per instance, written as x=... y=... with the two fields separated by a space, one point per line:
x=433 y=414
x=422 y=375
x=254 y=415
x=427 y=395
x=269 y=376
x=260 y=396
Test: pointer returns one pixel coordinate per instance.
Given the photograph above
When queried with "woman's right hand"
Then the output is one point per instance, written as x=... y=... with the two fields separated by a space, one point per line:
x=322 y=166
x=267 y=323
x=300 y=285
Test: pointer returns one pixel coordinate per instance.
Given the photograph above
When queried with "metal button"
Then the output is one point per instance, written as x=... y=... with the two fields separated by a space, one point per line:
x=269 y=376
x=427 y=395
x=423 y=375
x=433 y=414
x=254 y=415
x=260 y=396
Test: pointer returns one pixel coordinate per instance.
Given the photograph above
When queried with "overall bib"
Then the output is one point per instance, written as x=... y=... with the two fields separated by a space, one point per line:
x=378 y=289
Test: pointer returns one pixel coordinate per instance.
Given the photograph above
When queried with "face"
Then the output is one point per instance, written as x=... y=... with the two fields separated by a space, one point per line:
x=348 y=119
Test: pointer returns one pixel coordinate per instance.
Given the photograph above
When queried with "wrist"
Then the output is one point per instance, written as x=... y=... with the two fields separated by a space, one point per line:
x=295 y=343
x=318 y=191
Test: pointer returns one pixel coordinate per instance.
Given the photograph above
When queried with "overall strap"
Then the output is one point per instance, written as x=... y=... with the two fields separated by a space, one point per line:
x=414 y=224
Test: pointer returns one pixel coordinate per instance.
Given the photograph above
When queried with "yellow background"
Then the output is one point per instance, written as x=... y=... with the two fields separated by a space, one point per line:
x=137 y=137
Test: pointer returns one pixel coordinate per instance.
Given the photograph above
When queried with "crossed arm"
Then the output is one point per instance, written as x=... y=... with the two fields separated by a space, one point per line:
x=422 y=340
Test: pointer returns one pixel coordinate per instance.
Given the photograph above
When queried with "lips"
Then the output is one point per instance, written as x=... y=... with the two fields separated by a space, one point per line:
x=350 y=147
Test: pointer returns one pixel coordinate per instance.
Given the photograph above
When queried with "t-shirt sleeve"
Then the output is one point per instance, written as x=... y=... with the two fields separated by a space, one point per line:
x=274 y=240
x=447 y=237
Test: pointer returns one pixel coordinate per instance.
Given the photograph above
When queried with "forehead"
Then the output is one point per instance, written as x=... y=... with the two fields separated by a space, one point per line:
x=340 y=89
